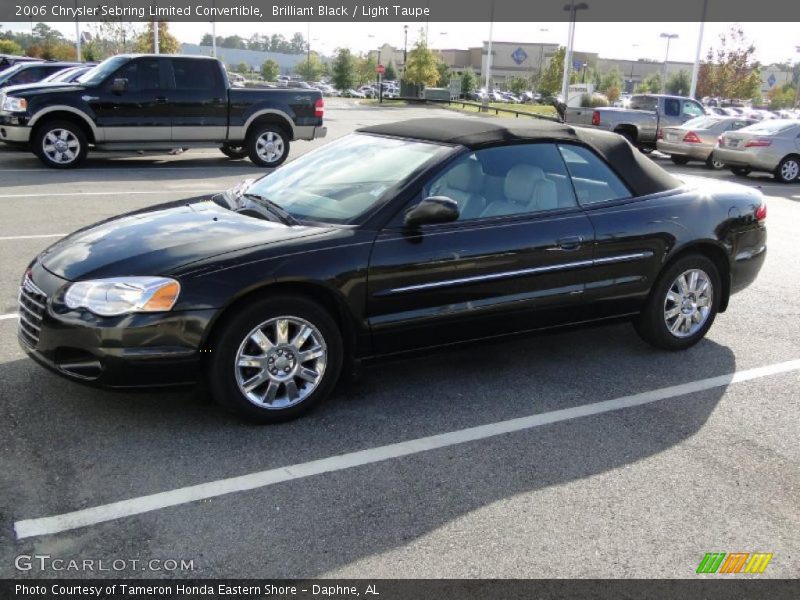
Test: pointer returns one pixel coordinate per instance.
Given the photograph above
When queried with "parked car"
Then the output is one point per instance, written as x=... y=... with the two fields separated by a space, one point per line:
x=772 y=146
x=351 y=93
x=31 y=72
x=9 y=60
x=159 y=102
x=695 y=139
x=399 y=237
x=68 y=75
x=640 y=123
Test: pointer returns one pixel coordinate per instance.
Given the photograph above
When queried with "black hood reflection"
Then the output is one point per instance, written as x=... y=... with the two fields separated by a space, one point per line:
x=160 y=239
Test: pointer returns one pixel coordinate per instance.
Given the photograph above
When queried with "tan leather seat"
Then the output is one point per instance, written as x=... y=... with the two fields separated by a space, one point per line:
x=526 y=189
x=464 y=184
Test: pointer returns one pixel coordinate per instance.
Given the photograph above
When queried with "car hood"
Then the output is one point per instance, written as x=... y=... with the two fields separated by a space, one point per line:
x=161 y=239
x=41 y=88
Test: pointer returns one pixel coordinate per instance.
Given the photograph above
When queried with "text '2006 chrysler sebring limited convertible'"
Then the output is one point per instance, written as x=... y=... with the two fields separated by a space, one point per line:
x=400 y=236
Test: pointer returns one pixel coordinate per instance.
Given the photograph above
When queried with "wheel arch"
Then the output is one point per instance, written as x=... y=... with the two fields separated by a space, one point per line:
x=273 y=117
x=64 y=113
x=715 y=253
x=630 y=130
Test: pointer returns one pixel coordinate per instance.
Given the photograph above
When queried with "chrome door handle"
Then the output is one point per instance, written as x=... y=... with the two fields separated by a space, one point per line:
x=572 y=242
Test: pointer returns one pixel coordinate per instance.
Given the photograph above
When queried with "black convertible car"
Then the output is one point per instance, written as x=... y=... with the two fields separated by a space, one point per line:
x=414 y=234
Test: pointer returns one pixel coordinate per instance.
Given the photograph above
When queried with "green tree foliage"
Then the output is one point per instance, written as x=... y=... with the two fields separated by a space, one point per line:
x=311 y=68
x=650 y=85
x=679 y=83
x=167 y=43
x=468 y=81
x=781 y=97
x=517 y=85
x=365 y=70
x=550 y=83
x=10 y=47
x=610 y=80
x=270 y=70
x=260 y=42
x=444 y=74
x=730 y=71
x=422 y=67
x=343 y=69
x=391 y=72
x=243 y=68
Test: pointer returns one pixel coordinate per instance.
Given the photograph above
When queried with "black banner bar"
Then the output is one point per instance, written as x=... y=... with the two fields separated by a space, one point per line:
x=407 y=11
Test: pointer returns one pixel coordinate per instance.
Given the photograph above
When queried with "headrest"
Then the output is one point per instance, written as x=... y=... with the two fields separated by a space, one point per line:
x=520 y=182
x=466 y=176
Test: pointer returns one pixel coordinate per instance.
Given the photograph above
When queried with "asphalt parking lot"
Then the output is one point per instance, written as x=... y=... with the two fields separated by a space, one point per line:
x=607 y=480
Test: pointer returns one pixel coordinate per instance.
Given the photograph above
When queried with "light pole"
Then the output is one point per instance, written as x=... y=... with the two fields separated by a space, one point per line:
x=489 y=50
x=669 y=37
x=405 y=49
x=696 y=69
x=797 y=89
x=573 y=9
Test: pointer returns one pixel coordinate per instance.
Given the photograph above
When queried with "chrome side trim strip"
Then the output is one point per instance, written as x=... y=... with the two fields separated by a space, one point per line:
x=579 y=264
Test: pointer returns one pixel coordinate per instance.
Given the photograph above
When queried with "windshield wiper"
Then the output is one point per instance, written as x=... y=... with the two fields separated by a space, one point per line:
x=273 y=207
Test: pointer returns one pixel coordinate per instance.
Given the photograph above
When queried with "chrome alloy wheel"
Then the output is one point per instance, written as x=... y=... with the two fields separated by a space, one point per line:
x=270 y=147
x=61 y=146
x=688 y=303
x=790 y=170
x=280 y=362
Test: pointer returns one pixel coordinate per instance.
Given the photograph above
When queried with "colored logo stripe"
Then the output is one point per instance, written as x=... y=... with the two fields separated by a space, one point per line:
x=734 y=563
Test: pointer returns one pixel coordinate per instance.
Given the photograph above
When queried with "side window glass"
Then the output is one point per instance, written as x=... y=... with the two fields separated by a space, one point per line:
x=195 y=74
x=690 y=109
x=130 y=72
x=149 y=75
x=593 y=179
x=672 y=107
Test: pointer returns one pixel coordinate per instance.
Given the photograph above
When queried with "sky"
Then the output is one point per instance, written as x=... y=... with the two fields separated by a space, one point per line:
x=775 y=42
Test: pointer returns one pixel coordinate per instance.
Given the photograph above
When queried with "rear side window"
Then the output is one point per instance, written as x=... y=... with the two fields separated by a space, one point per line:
x=195 y=74
x=592 y=178
x=672 y=107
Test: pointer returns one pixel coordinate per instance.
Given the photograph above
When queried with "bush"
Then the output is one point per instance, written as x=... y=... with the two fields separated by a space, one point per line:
x=593 y=101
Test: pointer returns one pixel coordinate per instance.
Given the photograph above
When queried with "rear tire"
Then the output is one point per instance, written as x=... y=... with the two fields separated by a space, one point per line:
x=740 y=171
x=682 y=305
x=788 y=170
x=679 y=160
x=257 y=367
x=234 y=152
x=60 y=144
x=267 y=145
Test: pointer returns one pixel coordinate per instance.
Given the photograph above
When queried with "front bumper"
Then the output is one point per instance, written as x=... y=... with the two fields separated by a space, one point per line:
x=129 y=351
x=12 y=131
x=756 y=160
x=692 y=151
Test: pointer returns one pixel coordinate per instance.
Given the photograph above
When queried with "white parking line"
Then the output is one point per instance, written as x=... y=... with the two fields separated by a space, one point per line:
x=32 y=237
x=135 y=506
x=135 y=193
x=11 y=316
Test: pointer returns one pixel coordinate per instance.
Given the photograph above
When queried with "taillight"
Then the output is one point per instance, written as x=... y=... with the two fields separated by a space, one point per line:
x=761 y=212
x=757 y=143
x=660 y=134
x=691 y=138
x=319 y=108
x=596 y=117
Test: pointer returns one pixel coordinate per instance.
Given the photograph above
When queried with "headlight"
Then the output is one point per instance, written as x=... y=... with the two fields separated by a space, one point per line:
x=11 y=104
x=121 y=295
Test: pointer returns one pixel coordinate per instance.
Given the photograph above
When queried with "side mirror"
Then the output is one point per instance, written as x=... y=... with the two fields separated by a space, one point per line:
x=435 y=209
x=119 y=85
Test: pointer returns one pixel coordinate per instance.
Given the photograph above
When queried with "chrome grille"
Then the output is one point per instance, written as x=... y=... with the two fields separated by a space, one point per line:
x=32 y=302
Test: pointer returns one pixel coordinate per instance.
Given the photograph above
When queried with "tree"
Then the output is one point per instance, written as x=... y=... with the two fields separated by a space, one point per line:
x=344 y=69
x=730 y=71
x=610 y=80
x=444 y=75
x=235 y=42
x=391 y=72
x=270 y=70
x=309 y=69
x=468 y=81
x=422 y=64
x=781 y=97
x=365 y=69
x=243 y=68
x=679 y=83
x=550 y=83
x=650 y=85
x=10 y=47
x=517 y=85
x=298 y=44
x=167 y=43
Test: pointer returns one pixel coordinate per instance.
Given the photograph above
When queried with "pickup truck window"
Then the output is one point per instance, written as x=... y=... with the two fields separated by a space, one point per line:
x=141 y=75
x=672 y=107
x=692 y=109
x=104 y=70
x=593 y=180
x=191 y=74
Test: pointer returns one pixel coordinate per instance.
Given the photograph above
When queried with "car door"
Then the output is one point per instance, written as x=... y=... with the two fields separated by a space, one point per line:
x=199 y=102
x=139 y=113
x=632 y=235
x=516 y=259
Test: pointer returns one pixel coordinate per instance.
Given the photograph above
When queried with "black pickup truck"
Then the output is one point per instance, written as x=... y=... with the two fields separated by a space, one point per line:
x=158 y=102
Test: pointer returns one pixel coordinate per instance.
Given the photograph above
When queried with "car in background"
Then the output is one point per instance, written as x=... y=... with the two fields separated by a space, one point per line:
x=351 y=93
x=9 y=60
x=396 y=238
x=771 y=146
x=32 y=72
x=69 y=75
x=716 y=111
x=695 y=139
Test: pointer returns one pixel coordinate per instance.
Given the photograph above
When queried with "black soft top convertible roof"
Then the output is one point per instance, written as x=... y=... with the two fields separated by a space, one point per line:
x=641 y=174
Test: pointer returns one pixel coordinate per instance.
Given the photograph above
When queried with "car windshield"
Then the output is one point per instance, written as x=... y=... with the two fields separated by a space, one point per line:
x=104 y=69
x=345 y=179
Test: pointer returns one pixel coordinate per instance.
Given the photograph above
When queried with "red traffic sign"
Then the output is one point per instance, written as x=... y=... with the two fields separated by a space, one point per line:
x=380 y=69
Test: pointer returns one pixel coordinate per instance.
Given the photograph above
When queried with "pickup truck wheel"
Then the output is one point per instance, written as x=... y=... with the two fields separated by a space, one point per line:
x=679 y=160
x=268 y=145
x=234 y=152
x=60 y=144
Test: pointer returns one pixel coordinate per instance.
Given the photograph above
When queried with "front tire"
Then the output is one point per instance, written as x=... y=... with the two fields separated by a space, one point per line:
x=60 y=144
x=788 y=170
x=679 y=160
x=683 y=304
x=740 y=171
x=275 y=359
x=268 y=145
x=234 y=152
